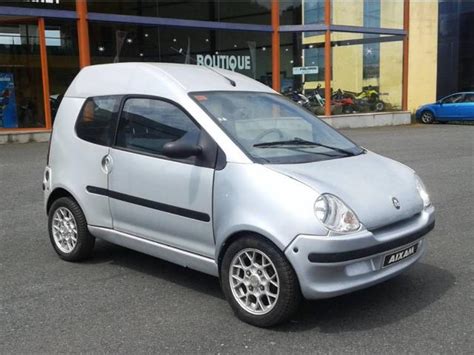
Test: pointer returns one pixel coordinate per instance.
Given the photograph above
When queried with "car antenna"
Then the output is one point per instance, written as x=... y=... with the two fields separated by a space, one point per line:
x=232 y=82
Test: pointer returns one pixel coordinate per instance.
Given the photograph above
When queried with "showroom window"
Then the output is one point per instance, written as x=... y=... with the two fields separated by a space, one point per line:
x=364 y=60
x=303 y=67
x=63 y=59
x=21 y=91
x=248 y=53
x=353 y=91
x=375 y=93
x=366 y=55
x=237 y=11
x=313 y=11
x=354 y=12
x=371 y=50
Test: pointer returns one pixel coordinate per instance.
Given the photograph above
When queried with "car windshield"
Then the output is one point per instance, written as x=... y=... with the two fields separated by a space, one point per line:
x=272 y=129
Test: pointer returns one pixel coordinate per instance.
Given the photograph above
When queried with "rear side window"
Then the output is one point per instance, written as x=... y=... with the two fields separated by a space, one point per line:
x=453 y=99
x=98 y=118
x=148 y=124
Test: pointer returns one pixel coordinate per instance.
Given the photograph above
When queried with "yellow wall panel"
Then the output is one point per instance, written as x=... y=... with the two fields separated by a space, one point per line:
x=423 y=53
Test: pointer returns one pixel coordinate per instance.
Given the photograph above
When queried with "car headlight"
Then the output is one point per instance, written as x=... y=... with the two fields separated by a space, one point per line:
x=422 y=191
x=335 y=215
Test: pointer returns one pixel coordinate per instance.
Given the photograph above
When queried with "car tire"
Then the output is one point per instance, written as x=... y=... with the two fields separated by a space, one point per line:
x=263 y=292
x=427 y=117
x=68 y=231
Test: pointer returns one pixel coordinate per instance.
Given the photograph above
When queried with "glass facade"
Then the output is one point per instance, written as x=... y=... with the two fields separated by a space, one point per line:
x=63 y=62
x=365 y=63
x=239 y=11
x=455 y=47
x=42 y=4
x=21 y=92
x=368 y=13
x=248 y=53
x=367 y=72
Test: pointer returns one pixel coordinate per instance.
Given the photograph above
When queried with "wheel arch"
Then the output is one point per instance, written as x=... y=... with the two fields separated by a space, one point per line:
x=430 y=110
x=222 y=248
x=56 y=194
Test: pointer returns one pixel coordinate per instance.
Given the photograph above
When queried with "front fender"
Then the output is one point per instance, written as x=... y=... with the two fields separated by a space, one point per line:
x=251 y=197
x=423 y=109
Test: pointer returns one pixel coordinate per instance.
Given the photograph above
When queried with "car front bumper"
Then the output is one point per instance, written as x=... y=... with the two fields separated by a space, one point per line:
x=329 y=266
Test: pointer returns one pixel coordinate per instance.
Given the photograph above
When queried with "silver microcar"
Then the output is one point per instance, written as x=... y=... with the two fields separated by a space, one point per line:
x=217 y=172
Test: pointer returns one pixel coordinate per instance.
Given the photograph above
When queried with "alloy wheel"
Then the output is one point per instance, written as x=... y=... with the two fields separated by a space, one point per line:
x=427 y=117
x=254 y=281
x=64 y=229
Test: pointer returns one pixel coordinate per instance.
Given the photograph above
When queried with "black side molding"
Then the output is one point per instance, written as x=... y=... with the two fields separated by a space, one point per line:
x=200 y=216
x=376 y=249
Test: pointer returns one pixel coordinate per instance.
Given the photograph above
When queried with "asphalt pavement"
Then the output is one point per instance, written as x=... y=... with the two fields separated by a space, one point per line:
x=122 y=301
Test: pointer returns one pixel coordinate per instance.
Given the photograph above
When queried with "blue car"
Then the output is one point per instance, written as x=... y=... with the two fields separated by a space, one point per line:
x=455 y=107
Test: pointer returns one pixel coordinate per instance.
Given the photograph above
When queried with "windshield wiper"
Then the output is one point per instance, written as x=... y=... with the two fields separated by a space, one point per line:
x=301 y=142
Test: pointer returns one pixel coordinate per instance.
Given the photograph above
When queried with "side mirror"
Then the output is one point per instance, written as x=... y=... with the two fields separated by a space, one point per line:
x=439 y=102
x=182 y=148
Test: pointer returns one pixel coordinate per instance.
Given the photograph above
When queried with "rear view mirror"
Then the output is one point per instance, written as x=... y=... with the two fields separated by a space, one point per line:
x=181 y=150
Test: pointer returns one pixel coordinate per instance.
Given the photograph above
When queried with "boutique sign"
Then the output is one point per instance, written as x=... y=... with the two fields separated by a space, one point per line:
x=229 y=62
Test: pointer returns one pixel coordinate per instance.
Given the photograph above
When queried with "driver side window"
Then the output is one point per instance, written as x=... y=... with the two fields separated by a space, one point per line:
x=146 y=125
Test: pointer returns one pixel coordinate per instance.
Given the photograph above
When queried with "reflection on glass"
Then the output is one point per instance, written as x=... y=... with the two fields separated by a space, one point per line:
x=291 y=12
x=21 y=92
x=63 y=62
x=303 y=69
x=368 y=13
x=238 y=11
x=248 y=53
x=367 y=73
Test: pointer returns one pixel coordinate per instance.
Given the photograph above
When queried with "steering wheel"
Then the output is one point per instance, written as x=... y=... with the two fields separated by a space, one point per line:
x=266 y=133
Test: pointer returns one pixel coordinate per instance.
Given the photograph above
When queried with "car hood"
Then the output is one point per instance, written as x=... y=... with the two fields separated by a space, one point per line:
x=367 y=183
x=426 y=105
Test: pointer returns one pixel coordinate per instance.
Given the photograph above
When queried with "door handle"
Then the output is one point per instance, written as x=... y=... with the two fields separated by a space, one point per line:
x=107 y=164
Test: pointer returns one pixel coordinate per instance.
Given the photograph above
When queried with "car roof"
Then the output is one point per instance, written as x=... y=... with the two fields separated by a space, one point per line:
x=460 y=93
x=162 y=79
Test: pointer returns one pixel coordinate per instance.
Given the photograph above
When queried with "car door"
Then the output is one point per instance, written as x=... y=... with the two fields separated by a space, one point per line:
x=448 y=107
x=87 y=167
x=466 y=107
x=152 y=196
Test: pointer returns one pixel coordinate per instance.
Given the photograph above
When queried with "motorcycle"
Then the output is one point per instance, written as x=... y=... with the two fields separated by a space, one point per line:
x=368 y=99
x=298 y=97
x=316 y=98
x=343 y=100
